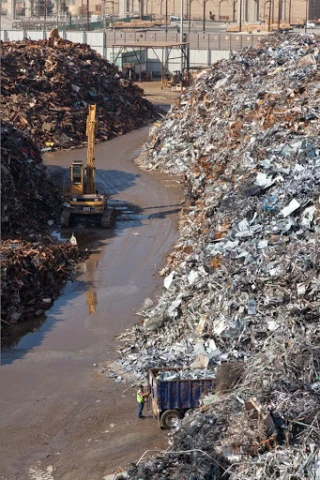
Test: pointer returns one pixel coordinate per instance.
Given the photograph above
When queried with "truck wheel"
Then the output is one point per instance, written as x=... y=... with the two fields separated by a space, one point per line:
x=168 y=418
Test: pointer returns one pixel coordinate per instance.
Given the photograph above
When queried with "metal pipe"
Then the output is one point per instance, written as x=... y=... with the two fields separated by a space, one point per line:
x=45 y=16
x=204 y=17
x=166 y=20
x=289 y=12
x=279 y=13
x=305 y=27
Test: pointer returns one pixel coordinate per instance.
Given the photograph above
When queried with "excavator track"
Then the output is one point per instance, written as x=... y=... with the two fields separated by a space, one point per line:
x=108 y=218
x=65 y=218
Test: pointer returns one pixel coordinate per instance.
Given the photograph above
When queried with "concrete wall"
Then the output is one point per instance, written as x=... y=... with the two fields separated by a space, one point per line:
x=204 y=49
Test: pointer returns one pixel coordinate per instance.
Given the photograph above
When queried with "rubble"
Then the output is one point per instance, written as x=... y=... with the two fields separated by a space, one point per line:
x=242 y=284
x=47 y=86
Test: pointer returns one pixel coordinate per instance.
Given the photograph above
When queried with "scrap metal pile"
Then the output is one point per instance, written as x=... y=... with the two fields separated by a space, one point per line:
x=47 y=86
x=33 y=264
x=29 y=200
x=243 y=284
x=31 y=276
x=170 y=375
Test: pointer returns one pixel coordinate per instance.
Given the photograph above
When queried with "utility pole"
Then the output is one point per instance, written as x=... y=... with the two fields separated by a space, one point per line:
x=88 y=16
x=104 y=16
x=240 y=15
x=204 y=16
x=305 y=26
x=166 y=20
x=45 y=16
x=290 y=12
x=279 y=13
x=181 y=33
x=269 y=16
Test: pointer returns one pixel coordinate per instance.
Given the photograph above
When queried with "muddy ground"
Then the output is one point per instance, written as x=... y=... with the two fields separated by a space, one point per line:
x=62 y=418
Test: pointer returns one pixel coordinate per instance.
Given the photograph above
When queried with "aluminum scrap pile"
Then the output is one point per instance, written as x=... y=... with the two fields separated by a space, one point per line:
x=244 y=276
x=46 y=88
x=169 y=375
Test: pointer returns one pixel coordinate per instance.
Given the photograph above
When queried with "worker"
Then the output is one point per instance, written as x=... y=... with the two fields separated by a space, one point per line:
x=140 y=399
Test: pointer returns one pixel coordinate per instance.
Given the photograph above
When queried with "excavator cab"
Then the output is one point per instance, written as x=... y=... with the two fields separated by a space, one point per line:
x=77 y=177
x=83 y=203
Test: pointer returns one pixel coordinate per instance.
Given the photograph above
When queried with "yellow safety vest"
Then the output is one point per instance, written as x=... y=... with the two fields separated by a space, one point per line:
x=140 y=398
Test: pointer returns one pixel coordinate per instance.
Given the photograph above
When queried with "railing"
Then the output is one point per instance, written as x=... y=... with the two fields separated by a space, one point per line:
x=197 y=41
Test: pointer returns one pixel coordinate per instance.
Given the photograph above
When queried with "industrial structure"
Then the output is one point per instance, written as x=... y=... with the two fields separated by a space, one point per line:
x=220 y=10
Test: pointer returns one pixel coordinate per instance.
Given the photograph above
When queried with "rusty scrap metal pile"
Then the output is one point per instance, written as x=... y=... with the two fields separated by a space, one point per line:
x=242 y=283
x=46 y=90
x=31 y=276
x=33 y=264
x=29 y=200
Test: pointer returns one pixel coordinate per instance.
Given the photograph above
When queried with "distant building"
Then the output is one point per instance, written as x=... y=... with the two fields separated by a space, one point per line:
x=226 y=11
x=314 y=10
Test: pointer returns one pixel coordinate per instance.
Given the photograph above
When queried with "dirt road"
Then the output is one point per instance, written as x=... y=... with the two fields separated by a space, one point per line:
x=61 y=420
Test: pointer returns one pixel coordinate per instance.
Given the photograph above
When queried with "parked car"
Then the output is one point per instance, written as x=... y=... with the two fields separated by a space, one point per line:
x=311 y=25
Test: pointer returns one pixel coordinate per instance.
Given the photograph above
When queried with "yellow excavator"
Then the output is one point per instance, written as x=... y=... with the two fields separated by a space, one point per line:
x=83 y=201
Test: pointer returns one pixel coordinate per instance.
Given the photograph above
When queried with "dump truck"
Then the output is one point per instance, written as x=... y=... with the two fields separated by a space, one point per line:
x=171 y=399
x=83 y=202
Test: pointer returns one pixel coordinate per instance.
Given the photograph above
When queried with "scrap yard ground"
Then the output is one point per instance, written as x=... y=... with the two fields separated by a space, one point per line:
x=62 y=418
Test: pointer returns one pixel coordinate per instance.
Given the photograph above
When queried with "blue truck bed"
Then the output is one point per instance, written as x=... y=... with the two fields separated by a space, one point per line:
x=177 y=394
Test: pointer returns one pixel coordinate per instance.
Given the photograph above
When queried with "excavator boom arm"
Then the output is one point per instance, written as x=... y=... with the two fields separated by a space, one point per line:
x=90 y=132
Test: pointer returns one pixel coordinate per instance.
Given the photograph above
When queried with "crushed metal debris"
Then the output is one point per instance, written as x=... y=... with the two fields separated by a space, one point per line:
x=29 y=200
x=47 y=87
x=242 y=284
x=31 y=276
x=34 y=265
